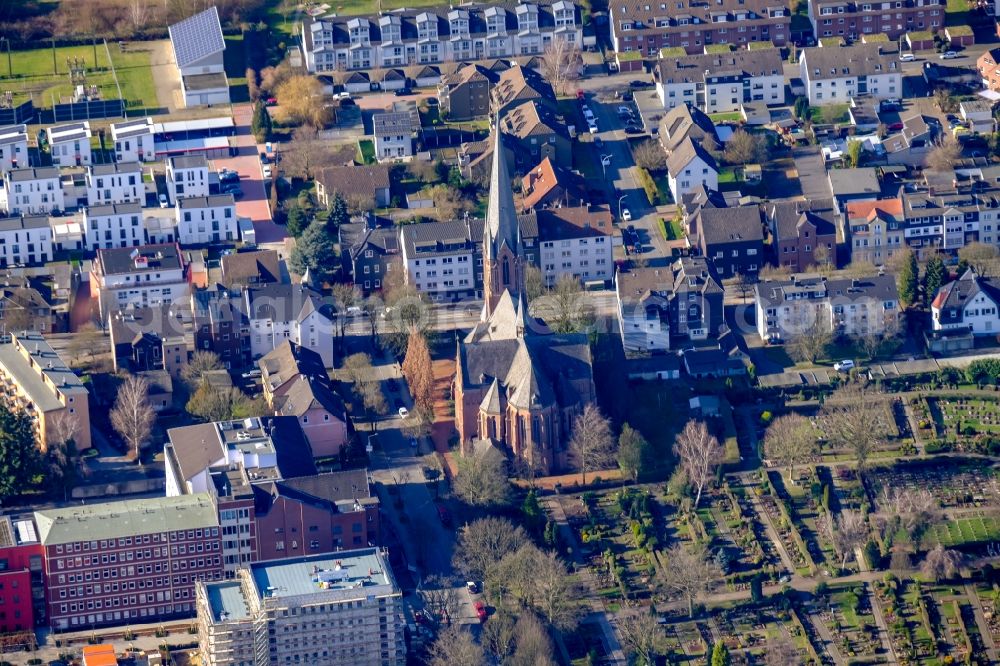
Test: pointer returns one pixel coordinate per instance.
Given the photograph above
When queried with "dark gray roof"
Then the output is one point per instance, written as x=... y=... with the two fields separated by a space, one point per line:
x=687 y=151
x=851 y=182
x=385 y=241
x=115 y=168
x=129 y=208
x=951 y=298
x=348 y=180
x=434 y=238
x=818 y=287
x=188 y=161
x=210 y=201
x=32 y=173
x=825 y=62
x=197 y=37
x=334 y=486
x=24 y=222
x=729 y=225
x=246 y=267
x=127 y=326
x=123 y=260
x=698 y=67
x=787 y=215
x=285 y=302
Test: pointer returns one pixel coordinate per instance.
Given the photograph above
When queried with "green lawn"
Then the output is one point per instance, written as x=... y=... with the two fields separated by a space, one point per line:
x=236 y=68
x=829 y=113
x=957 y=13
x=730 y=117
x=351 y=7
x=367 y=149
x=35 y=75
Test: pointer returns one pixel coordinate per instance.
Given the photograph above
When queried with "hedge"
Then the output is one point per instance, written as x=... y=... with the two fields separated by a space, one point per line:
x=649 y=185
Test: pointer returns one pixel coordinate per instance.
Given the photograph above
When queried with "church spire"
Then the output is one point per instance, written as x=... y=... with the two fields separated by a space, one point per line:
x=501 y=214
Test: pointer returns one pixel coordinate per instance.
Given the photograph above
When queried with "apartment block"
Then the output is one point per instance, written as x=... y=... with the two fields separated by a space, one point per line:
x=119 y=182
x=332 y=610
x=32 y=191
x=444 y=260
x=853 y=20
x=221 y=325
x=134 y=140
x=282 y=312
x=34 y=378
x=206 y=219
x=113 y=225
x=25 y=241
x=846 y=306
x=142 y=276
x=716 y=83
x=187 y=176
x=128 y=562
x=437 y=34
x=835 y=75
x=647 y=26
x=574 y=241
x=69 y=144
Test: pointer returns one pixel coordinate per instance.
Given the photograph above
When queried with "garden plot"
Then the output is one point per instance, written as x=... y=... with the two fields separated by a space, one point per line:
x=965 y=416
x=808 y=504
x=734 y=508
x=753 y=628
x=847 y=613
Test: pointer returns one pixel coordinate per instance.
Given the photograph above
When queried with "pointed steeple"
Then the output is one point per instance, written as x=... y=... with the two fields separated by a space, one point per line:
x=501 y=214
x=522 y=315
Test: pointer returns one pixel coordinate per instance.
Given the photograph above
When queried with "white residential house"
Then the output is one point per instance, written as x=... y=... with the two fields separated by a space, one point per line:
x=199 y=49
x=187 y=176
x=441 y=260
x=32 y=191
x=643 y=305
x=979 y=114
x=969 y=303
x=689 y=166
x=13 y=147
x=113 y=225
x=134 y=140
x=393 y=136
x=25 y=241
x=835 y=75
x=69 y=144
x=575 y=241
x=142 y=276
x=790 y=307
x=280 y=312
x=119 y=182
x=722 y=82
x=208 y=219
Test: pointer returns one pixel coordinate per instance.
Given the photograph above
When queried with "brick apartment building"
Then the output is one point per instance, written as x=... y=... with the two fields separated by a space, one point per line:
x=22 y=595
x=840 y=18
x=647 y=26
x=989 y=68
x=131 y=561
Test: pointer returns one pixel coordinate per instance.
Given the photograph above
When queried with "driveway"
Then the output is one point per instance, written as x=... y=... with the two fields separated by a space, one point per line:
x=165 y=76
x=253 y=204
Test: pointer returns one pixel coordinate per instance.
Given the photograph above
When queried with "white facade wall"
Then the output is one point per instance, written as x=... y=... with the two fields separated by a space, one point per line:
x=13 y=154
x=72 y=152
x=124 y=187
x=206 y=225
x=139 y=148
x=183 y=183
x=697 y=172
x=25 y=246
x=393 y=146
x=582 y=258
x=315 y=332
x=980 y=314
x=38 y=196
x=117 y=229
x=439 y=276
x=675 y=94
x=841 y=89
x=133 y=289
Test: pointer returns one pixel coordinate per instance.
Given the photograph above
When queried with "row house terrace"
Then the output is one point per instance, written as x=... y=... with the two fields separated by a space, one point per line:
x=438 y=34
x=646 y=26
x=852 y=20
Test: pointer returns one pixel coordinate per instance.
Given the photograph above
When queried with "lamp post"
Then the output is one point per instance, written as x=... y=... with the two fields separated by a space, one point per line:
x=620 y=199
x=605 y=161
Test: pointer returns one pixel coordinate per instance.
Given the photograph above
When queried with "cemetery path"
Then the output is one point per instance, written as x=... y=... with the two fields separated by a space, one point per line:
x=829 y=642
x=883 y=628
x=984 y=629
x=772 y=533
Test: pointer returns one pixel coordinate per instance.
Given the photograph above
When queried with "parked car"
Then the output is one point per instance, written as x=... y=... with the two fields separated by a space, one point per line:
x=624 y=111
x=592 y=127
x=235 y=190
x=633 y=129
x=403 y=92
x=266 y=171
x=948 y=55
x=640 y=84
x=626 y=214
x=229 y=176
x=598 y=142
x=249 y=374
x=843 y=366
x=472 y=586
x=403 y=412
x=263 y=158
x=481 y=611
x=907 y=57
x=579 y=95
x=164 y=202
x=271 y=101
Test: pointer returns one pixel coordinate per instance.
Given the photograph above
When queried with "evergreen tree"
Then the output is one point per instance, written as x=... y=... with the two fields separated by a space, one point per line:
x=934 y=276
x=298 y=220
x=906 y=281
x=20 y=460
x=720 y=655
x=315 y=251
x=338 y=213
x=260 y=125
x=534 y=517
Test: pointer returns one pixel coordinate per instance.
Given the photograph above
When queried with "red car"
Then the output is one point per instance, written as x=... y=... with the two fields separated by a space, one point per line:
x=271 y=101
x=895 y=127
x=481 y=611
x=579 y=94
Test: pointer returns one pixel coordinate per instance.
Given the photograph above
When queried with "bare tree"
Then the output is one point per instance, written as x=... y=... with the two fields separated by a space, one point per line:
x=482 y=478
x=649 y=155
x=745 y=148
x=345 y=296
x=88 y=341
x=201 y=363
x=499 y=636
x=455 y=646
x=138 y=14
x=941 y=564
x=561 y=64
x=857 y=419
x=689 y=573
x=878 y=338
x=565 y=307
x=592 y=446
x=849 y=533
x=698 y=452
x=744 y=285
x=944 y=155
x=982 y=258
x=449 y=203
x=641 y=635
x=483 y=543
x=441 y=597
x=790 y=440
x=301 y=101
x=915 y=508
x=534 y=282
x=62 y=430
x=132 y=416
x=534 y=647
x=556 y=595
x=306 y=154
x=811 y=343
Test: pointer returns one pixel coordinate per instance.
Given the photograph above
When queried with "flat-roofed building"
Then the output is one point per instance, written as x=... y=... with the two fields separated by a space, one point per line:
x=134 y=140
x=32 y=191
x=118 y=182
x=128 y=562
x=113 y=225
x=69 y=144
x=281 y=612
x=13 y=147
x=142 y=276
x=36 y=379
x=21 y=581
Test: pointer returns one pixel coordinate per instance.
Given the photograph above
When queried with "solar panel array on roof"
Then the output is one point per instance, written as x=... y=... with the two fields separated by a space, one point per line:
x=196 y=37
